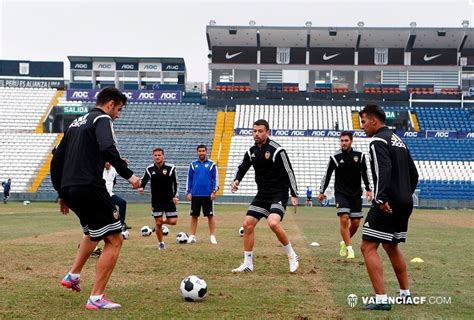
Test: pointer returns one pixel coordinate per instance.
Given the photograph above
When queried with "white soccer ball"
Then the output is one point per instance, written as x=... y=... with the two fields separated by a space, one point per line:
x=146 y=231
x=193 y=288
x=26 y=202
x=165 y=230
x=241 y=231
x=182 y=237
x=125 y=234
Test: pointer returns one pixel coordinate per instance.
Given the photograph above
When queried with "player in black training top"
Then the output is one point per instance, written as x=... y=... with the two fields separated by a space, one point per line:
x=350 y=166
x=164 y=192
x=76 y=172
x=395 y=178
x=274 y=177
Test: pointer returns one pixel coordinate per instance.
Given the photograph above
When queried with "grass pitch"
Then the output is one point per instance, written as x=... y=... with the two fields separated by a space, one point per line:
x=38 y=244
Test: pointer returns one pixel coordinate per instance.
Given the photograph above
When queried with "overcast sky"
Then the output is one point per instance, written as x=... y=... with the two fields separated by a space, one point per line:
x=52 y=30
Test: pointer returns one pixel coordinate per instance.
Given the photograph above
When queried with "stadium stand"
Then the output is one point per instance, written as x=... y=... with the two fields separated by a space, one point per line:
x=22 y=151
x=447 y=118
x=445 y=165
x=144 y=126
x=295 y=117
x=22 y=109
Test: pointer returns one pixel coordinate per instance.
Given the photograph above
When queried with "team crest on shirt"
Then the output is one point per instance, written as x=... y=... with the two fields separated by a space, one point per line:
x=116 y=214
x=267 y=155
x=165 y=172
x=356 y=159
x=206 y=165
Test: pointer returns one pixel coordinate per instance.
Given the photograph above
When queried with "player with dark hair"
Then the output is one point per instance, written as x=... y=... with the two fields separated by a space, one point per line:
x=202 y=185
x=274 y=177
x=76 y=173
x=164 y=192
x=395 y=179
x=350 y=166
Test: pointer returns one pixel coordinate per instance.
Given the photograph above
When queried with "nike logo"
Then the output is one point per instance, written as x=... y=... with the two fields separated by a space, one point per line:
x=325 y=57
x=230 y=56
x=427 y=58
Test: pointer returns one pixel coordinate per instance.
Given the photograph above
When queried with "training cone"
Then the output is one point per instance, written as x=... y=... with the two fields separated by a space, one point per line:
x=314 y=244
x=417 y=259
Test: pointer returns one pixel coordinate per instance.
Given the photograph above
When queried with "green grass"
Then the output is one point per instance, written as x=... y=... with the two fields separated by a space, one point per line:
x=37 y=246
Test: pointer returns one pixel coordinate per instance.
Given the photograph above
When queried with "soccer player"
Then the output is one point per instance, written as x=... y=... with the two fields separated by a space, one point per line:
x=6 y=189
x=110 y=177
x=309 y=196
x=76 y=173
x=349 y=166
x=274 y=177
x=164 y=192
x=395 y=178
x=202 y=186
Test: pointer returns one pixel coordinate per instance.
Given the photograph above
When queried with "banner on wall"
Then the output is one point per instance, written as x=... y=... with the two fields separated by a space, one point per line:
x=132 y=95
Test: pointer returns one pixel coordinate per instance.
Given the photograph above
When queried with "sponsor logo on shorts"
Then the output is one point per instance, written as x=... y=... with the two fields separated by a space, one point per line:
x=337 y=204
x=267 y=155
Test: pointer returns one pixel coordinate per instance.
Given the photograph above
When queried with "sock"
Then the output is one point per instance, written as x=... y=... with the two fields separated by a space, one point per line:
x=404 y=293
x=289 y=250
x=381 y=298
x=95 y=298
x=248 y=256
x=349 y=248
x=75 y=276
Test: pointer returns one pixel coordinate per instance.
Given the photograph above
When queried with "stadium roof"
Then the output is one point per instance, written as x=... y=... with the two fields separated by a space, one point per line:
x=341 y=37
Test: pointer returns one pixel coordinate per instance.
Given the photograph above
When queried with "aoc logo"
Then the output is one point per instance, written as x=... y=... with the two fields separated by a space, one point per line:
x=333 y=134
x=442 y=134
x=146 y=96
x=359 y=134
x=150 y=67
x=81 y=66
x=128 y=94
x=282 y=133
x=297 y=133
x=318 y=133
x=410 y=134
x=80 y=95
x=172 y=67
x=127 y=67
x=245 y=131
x=104 y=66
x=168 y=96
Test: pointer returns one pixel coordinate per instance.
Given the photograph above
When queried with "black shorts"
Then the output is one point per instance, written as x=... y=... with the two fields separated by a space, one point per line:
x=309 y=199
x=349 y=205
x=205 y=203
x=387 y=227
x=95 y=210
x=260 y=208
x=167 y=209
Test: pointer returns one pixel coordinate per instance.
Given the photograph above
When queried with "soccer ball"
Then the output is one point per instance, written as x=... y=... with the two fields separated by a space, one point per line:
x=182 y=237
x=241 y=231
x=146 y=231
x=193 y=288
x=165 y=230
x=125 y=234
x=26 y=202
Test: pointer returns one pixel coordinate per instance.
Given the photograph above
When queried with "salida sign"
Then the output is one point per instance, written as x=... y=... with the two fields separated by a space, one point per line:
x=132 y=95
